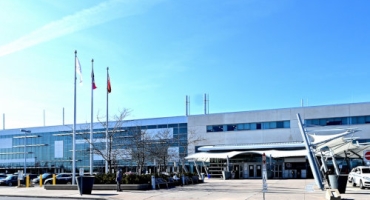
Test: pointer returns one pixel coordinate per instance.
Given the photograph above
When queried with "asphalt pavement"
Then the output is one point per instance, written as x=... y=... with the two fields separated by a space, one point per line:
x=211 y=189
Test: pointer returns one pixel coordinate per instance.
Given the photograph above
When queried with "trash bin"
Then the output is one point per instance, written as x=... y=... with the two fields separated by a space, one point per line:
x=226 y=175
x=339 y=182
x=85 y=184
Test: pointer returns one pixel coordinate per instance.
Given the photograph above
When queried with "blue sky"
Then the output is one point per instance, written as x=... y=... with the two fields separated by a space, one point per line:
x=246 y=54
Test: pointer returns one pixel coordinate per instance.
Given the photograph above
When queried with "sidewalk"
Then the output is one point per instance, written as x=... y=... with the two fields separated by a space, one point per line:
x=212 y=189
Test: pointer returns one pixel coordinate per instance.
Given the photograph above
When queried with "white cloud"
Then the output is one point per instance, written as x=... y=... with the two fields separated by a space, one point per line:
x=99 y=14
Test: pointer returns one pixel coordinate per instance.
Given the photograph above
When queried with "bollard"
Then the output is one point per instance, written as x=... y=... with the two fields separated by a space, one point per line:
x=153 y=182
x=40 y=180
x=27 y=181
x=54 y=179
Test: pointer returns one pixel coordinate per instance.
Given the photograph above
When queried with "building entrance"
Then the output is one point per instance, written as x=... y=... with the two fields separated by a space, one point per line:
x=252 y=170
x=278 y=171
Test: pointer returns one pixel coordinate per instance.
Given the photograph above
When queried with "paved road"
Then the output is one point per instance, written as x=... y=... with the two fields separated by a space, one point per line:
x=212 y=189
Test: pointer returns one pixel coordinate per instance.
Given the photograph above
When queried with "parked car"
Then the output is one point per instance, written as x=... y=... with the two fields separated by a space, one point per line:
x=62 y=178
x=44 y=177
x=10 y=180
x=2 y=176
x=360 y=176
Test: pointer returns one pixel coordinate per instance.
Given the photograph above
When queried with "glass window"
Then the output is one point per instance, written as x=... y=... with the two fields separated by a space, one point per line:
x=322 y=122
x=315 y=122
x=247 y=126
x=240 y=127
x=175 y=130
x=344 y=120
x=253 y=126
x=258 y=126
x=231 y=127
x=308 y=122
x=183 y=125
x=265 y=125
x=361 y=120
x=183 y=130
x=162 y=126
x=173 y=125
x=272 y=124
x=367 y=119
x=279 y=124
x=286 y=124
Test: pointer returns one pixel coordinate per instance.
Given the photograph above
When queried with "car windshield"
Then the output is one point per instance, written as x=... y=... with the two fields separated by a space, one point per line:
x=366 y=170
x=8 y=177
x=45 y=175
x=62 y=175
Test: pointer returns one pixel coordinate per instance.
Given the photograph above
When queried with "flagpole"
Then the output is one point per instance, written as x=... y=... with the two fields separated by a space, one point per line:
x=92 y=113
x=74 y=126
x=106 y=131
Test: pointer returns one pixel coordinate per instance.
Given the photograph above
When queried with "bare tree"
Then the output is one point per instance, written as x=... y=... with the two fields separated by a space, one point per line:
x=160 y=147
x=140 y=147
x=110 y=145
x=191 y=140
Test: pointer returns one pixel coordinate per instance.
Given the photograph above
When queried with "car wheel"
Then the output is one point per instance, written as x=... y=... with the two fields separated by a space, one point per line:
x=350 y=180
x=69 y=183
x=10 y=184
x=47 y=183
x=361 y=185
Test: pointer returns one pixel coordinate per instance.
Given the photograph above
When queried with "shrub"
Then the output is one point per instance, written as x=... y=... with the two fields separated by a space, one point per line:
x=110 y=178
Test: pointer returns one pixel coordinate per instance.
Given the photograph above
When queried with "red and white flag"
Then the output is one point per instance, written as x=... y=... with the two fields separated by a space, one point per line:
x=93 y=80
x=109 y=88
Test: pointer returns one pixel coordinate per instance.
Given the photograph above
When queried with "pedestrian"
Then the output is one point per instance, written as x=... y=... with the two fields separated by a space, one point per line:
x=119 y=179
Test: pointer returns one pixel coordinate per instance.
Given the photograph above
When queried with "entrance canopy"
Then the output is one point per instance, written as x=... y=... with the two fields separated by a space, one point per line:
x=205 y=156
x=342 y=147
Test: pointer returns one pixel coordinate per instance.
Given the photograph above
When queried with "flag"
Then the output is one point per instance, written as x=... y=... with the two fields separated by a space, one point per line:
x=78 y=68
x=109 y=88
x=93 y=80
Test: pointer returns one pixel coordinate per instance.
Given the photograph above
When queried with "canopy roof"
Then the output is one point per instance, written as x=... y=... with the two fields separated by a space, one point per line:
x=204 y=156
x=342 y=147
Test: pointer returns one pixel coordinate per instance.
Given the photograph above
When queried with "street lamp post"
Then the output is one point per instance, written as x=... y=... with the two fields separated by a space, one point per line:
x=25 y=141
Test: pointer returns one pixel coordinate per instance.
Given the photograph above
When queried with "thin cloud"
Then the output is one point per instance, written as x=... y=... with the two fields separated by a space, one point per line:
x=81 y=20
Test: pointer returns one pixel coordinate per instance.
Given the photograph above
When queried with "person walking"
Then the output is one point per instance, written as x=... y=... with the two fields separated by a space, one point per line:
x=119 y=179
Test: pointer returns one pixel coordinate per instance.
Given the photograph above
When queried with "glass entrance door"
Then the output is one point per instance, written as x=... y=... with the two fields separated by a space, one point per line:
x=259 y=170
x=251 y=171
x=278 y=171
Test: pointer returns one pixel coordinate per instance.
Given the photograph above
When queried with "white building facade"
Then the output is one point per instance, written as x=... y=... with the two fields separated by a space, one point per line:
x=250 y=133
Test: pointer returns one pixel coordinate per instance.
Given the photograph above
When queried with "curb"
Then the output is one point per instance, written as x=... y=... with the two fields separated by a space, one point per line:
x=52 y=197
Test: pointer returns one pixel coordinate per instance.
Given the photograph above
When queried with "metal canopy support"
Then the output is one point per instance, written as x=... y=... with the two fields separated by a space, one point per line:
x=227 y=163
x=323 y=161
x=183 y=166
x=205 y=168
x=310 y=155
x=334 y=164
x=196 y=167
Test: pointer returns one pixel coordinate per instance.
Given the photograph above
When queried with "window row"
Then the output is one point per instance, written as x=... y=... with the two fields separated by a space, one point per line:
x=338 y=121
x=248 y=126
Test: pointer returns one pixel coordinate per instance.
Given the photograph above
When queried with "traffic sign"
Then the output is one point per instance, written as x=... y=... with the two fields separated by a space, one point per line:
x=367 y=155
